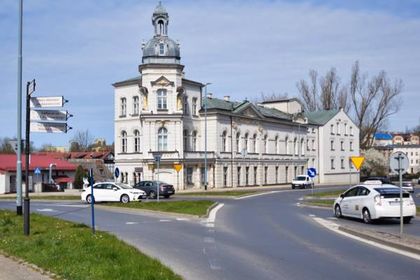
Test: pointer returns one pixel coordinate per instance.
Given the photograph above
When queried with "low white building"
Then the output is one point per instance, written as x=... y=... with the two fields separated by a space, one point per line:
x=161 y=113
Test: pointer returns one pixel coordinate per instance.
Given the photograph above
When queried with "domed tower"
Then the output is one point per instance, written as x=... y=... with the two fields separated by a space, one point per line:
x=161 y=48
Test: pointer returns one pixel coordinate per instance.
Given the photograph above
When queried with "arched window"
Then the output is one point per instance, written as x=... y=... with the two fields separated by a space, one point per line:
x=161 y=99
x=286 y=145
x=185 y=135
x=238 y=137
x=224 y=141
x=246 y=142
x=194 y=141
x=162 y=139
x=123 y=142
x=254 y=143
x=295 y=146
x=136 y=141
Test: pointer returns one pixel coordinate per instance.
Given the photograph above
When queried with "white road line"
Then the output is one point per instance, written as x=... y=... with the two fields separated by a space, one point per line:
x=182 y=219
x=46 y=210
x=335 y=227
x=213 y=212
x=131 y=223
x=312 y=215
x=254 y=195
x=75 y=206
x=164 y=221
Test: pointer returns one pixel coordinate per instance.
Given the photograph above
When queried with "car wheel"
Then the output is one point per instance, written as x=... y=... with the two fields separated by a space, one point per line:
x=407 y=220
x=152 y=194
x=366 y=216
x=89 y=199
x=293 y=187
x=166 y=196
x=125 y=199
x=337 y=211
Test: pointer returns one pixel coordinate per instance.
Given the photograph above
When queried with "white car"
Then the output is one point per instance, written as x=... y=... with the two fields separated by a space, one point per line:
x=302 y=181
x=110 y=191
x=374 y=201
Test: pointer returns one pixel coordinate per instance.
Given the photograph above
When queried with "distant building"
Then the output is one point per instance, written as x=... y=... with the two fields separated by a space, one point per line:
x=382 y=139
x=405 y=139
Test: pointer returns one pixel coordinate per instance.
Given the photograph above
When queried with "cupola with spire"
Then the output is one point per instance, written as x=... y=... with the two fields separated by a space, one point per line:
x=161 y=48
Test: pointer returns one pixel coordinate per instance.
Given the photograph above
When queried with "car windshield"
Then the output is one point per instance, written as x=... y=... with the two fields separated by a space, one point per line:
x=161 y=183
x=123 y=186
x=300 y=178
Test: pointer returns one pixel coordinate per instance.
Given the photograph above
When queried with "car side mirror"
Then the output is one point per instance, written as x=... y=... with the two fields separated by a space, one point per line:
x=342 y=195
x=115 y=189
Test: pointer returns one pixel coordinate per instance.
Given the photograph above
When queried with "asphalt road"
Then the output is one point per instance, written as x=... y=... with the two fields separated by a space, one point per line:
x=262 y=237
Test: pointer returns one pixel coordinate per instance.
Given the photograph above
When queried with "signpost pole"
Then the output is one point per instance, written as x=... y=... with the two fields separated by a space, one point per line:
x=92 y=203
x=158 y=187
x=401 y=198
x=19 y=117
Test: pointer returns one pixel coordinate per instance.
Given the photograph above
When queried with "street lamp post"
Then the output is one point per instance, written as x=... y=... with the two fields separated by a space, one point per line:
x=205 y=135
x=19 y=117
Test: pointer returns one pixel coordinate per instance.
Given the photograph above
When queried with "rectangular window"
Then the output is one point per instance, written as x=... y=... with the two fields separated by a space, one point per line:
x=345 y=129
x=225 y=175
x=351 y=145
x=161 y=100
x=313 y=145
x=338 y=129
x=342 y=145
x=265 y=175
x=202 y=176
x=342 y=163
x=332 y=129
x=332 y=164
x=332 y=145
x=161 y=49
x=189 y=175
x=277 y=174
x=123 y=107
x=185 y=106
x=135 y=105
x=239 y=176
x=255 y=175
x=351 y=130
x=247 y=176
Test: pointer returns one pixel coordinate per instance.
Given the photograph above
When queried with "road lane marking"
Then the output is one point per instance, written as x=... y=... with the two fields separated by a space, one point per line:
x=182 y=219
x=312 y=215
x=213 y=212
x=164 y=221
x=46 y=210
x=254 y=195
x=335 y=227
x=131 y=223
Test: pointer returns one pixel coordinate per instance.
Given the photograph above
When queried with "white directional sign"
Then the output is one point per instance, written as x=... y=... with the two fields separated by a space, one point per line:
x=49 y=115
x=49 y=127
x=47 y=102
x=398 y=161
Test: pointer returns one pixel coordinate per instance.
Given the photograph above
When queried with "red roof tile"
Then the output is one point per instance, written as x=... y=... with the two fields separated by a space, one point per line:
x=41 y=161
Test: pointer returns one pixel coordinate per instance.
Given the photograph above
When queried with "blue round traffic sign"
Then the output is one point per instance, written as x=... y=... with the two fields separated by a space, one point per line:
x=116 y=172
x=311 y=172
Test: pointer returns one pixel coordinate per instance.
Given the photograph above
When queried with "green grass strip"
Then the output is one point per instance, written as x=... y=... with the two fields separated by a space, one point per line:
x=47 y=197
x=71 y=250
x=191 y=207
x=214 y=193
x=334 y=194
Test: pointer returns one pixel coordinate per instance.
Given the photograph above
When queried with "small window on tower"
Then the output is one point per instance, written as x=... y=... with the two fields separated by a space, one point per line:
x=161 y=49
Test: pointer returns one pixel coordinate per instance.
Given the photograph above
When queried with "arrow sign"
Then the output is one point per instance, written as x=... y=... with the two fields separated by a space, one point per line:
x=49 y=115
x=47 y=102
x=49 y=127
x=311 y=172
x=357 y=161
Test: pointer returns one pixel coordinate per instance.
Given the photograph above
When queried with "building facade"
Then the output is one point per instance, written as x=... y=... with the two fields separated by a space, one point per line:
x=162 y=115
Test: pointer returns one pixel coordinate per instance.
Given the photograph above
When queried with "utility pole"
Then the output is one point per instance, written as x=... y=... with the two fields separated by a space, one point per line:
x=19 y=116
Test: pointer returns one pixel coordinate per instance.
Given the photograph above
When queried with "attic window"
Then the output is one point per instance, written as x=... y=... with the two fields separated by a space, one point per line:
x=161 y=48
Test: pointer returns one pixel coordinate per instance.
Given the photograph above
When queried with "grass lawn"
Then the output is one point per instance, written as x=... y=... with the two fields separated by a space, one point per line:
x=218 y=193
x=197 y=207
x=327 y=194
x=323 y=202
x=71 y=250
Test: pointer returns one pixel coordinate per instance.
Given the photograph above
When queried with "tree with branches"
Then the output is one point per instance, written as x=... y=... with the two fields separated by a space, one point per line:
x=81 y=141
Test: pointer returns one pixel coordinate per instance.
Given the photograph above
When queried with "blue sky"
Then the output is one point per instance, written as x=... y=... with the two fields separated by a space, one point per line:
x=79 y=48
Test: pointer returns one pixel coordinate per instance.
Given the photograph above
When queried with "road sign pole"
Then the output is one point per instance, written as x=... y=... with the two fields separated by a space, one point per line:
x=92 y=203
x=401 y=198
x=158 y=187
x=26 y=206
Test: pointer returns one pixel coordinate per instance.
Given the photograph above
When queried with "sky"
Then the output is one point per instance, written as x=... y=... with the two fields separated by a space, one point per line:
x=77 y=49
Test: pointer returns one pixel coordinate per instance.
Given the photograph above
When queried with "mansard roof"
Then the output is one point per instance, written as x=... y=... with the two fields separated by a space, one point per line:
x=321 y=117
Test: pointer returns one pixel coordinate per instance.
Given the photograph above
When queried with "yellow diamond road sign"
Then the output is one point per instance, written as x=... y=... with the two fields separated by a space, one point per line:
x=178 y=167
x=357 y=161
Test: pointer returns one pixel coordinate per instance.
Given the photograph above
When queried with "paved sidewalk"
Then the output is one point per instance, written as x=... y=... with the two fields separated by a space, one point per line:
x=14 y=270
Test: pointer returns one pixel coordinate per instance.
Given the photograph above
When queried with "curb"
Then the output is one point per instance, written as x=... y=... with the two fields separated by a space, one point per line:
x=381 y=240
x=209 y=209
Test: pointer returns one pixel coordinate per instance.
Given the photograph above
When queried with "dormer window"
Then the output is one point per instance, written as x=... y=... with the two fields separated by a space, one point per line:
x=161 y=49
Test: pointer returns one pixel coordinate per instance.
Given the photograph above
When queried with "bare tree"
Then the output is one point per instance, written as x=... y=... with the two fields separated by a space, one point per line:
x=81 y=141
x=5 y=146
x=323 y=93
x=374 y=101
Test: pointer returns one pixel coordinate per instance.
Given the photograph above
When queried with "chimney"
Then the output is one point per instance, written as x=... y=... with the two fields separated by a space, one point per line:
x=209 y=95
x=226 y=98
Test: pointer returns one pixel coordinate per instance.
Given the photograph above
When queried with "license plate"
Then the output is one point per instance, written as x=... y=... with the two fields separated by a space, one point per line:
x=394 y=203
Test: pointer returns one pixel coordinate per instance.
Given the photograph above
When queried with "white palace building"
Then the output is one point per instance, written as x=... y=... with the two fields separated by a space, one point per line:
x=160 y=112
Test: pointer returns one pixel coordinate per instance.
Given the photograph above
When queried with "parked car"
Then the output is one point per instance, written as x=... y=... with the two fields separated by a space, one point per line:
x=371 y=201
x=384 y=180
x=110 y=191
x=302 y=181
x=408 y=186
x=151 y=188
